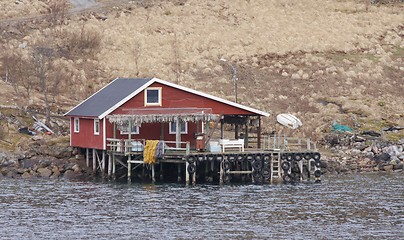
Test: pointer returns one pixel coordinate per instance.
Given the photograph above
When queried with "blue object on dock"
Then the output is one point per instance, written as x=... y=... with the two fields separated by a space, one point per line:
x=336 y=127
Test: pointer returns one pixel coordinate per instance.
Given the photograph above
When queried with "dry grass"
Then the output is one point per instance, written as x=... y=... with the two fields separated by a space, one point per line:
x=290 y=54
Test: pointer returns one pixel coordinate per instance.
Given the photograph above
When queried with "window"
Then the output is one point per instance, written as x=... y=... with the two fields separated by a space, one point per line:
x=76 y=125
x=173 y=127
x=152 y=97
x=96 y=127
x=135 y=129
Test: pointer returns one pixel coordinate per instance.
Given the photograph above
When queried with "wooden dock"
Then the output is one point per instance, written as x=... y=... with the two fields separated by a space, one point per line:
x=286 y=160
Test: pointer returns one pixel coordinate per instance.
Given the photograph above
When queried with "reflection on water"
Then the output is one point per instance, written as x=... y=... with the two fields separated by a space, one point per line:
x=366 y=206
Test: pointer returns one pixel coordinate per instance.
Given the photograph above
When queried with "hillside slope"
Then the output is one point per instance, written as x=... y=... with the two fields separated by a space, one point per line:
x=335 y=61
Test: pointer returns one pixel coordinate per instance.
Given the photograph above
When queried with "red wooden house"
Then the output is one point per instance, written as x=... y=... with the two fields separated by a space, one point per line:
x=151 y=108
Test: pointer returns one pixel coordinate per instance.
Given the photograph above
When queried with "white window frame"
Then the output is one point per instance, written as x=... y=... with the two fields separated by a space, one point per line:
x=96 y=126
x=137 y=130
x=159 y=102
x=174 y=124
x=76 y=125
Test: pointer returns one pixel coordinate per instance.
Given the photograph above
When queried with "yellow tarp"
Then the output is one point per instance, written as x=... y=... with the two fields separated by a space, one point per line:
x=149 y=153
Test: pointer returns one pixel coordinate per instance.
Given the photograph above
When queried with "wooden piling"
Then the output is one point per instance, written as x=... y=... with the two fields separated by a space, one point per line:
x=129 y=171
x=186 y=172
x=161 y=172
x=152 y=174
x=94 y=161
x=87 y=158
x=103 y=164
x=114 y=167
x=221 y=173
x=109 y=165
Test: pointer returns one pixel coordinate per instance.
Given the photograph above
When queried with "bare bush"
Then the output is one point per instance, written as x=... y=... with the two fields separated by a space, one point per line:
x=2 y=132
x=57 y=11
x=19 y=72
x=86 y=41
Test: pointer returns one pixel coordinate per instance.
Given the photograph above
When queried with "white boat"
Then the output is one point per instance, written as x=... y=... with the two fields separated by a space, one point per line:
x=288 y=120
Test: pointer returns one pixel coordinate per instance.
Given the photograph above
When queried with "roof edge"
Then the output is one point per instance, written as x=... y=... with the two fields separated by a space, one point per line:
x=237 y=105
x=67 y=114
x=127 y=98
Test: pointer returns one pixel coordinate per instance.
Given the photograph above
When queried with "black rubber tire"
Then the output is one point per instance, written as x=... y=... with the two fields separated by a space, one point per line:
x=226 y=165
x=285 y=166
x=287 y=178
x=267 y=158
x=266 y=173
x=256 y=174
x=317 y=163
x=316 y=156
x=250 y=158
x=191 y=168
x=231 y=158
x=210 y=157
x=219 y=158
x=289 y=157
x=257 y=164
x=191 y=159
x=297 y=156
x=283 y=156
x=295 y=177
x=317 y=173
x=200 y=158
x=241 y=158
x=307 y=156
x=257 y=157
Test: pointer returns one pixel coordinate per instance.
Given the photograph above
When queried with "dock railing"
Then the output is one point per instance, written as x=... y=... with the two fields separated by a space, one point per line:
x=136 y=146
x=173 y=147
x=126 y=146
x=271 y=142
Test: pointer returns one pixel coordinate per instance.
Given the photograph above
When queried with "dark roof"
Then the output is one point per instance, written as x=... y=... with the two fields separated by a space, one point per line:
x=107 y=97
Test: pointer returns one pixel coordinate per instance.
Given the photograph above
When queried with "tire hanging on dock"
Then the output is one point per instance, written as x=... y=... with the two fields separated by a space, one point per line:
x=226 y=165
x=241 y=158
x=307 y=156
x=317 y=173
x=200 y=158
x=316 y=156
x=191 y=168
x=297 y=156
x=256 y=174
x=250 y=158
x=285 y=166
x=317 y=163
x=266 y=174
x=257 y=164
x=232 y=158
x=210 y=157
x=289 y=156
x=267 y=158
x=287 y=178
x=191 y=159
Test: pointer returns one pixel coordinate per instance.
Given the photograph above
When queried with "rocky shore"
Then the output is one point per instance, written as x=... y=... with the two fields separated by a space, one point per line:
x=349 y=153
x=61 y=163
x=341 y=154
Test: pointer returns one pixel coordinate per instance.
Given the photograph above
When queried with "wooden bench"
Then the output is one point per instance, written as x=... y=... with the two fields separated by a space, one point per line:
x=232 y=143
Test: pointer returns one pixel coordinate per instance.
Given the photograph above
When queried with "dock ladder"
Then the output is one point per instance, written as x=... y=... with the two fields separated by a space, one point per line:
x=275 y=167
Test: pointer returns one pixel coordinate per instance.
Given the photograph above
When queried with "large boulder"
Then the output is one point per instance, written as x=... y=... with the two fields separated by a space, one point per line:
x=44 y=172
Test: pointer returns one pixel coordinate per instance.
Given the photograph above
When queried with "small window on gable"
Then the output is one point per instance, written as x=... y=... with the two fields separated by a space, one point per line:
x=125 y=129
x=96 y=127
x=152 y=96
x=173 y=127
x=76 y=124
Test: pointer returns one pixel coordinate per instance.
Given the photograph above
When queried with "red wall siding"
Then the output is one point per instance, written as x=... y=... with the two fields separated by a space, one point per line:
x=152 y=131
x=175 y=98
x=86 y=138
x=172 y=98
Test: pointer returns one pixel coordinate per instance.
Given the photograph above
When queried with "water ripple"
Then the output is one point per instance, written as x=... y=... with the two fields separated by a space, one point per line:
x=368 y=206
